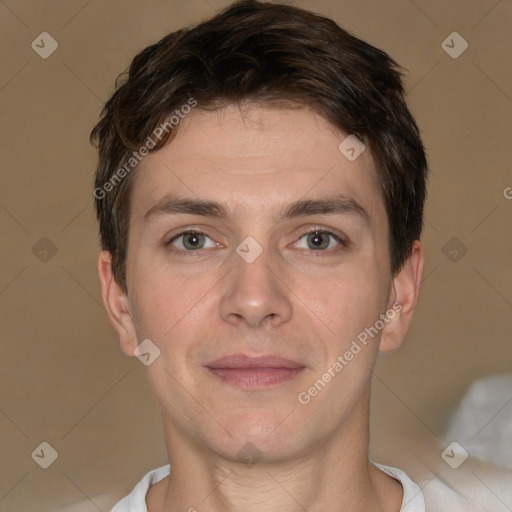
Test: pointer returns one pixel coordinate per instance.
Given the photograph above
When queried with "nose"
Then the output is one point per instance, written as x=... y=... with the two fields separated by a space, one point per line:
x=255 y=292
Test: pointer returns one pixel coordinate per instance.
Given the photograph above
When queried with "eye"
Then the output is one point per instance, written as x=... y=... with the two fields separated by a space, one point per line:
x=190 y=241
x=320 y=240
x=194 y=241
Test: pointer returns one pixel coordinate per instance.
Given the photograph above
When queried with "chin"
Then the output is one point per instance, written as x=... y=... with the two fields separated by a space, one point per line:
x=257 y=435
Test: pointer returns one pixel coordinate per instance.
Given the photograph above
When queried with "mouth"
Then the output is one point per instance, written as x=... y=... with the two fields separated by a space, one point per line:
x=260 y=372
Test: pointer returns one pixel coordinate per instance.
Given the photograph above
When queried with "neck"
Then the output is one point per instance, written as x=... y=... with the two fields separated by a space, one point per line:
x=333 y=475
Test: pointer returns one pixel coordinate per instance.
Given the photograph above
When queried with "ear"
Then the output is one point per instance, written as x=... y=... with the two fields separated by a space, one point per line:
x=117 y=304
x=402 y=300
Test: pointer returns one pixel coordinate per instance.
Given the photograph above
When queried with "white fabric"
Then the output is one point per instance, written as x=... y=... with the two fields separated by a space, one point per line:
x=136 y=500
x=482 y=423
x=413 y=500
x=458 y=492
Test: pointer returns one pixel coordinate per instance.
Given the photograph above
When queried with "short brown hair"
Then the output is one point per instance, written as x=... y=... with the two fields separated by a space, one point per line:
x=274 y=54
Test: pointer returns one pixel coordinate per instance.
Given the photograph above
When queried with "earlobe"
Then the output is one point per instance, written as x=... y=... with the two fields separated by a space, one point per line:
x=405 y=291
x=117 y=304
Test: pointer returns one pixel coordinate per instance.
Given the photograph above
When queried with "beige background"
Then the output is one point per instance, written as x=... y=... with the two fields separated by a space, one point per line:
x=63 y=378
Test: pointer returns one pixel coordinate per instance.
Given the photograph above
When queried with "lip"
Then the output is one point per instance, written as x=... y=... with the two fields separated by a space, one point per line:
x=254 y=362
x=258 y=372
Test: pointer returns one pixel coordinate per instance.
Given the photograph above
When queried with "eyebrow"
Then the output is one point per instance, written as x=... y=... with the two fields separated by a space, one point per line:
x=337 y=204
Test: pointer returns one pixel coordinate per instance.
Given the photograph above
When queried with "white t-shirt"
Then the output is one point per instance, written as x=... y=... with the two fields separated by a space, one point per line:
x=413 y=500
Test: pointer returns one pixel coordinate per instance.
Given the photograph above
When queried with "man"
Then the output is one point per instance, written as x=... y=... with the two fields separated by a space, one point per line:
x=260 y=195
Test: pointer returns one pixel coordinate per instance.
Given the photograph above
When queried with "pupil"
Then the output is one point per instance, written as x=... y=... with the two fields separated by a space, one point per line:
x=317 y=239
x=194 y=237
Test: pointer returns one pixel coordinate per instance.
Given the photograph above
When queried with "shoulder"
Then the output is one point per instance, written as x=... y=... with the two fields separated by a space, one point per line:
x=136 y=500
x=440 y=492
x=479 y=488
x=413 y=499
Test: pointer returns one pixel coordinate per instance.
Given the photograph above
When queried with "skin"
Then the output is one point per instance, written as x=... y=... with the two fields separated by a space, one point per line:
x=291 y=301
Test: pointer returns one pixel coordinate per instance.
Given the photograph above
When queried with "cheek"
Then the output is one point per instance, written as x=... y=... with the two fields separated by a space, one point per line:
x=346 y=301
x=164 y=301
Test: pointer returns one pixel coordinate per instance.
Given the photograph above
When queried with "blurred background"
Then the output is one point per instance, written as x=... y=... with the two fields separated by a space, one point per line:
x=64 y=381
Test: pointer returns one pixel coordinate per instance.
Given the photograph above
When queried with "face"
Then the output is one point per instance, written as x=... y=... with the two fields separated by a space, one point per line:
x=253 y=294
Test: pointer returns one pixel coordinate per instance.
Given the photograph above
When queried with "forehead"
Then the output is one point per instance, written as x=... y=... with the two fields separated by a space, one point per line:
x=255 y=159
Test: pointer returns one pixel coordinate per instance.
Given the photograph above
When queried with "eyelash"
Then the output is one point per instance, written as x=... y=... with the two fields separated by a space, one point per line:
x=343 y=242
